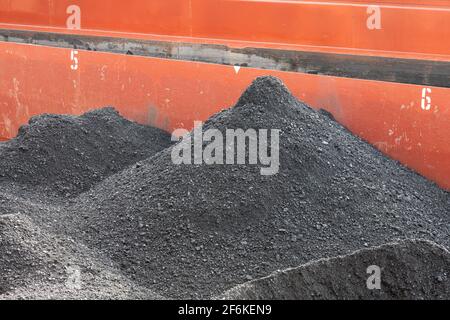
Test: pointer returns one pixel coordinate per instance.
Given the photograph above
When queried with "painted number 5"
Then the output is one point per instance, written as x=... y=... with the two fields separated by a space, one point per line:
x=74 y=58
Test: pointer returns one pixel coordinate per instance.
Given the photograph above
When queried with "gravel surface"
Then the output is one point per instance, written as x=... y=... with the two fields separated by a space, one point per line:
x=409 y=270
x=65 y=155
x=38 y=265
x=194 y=231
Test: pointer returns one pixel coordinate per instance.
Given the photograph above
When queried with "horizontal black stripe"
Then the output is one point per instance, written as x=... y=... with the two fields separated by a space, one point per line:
x=408 y=71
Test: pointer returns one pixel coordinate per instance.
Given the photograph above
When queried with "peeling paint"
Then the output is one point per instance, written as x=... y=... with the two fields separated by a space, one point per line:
x=6 y=124
x=21 y=109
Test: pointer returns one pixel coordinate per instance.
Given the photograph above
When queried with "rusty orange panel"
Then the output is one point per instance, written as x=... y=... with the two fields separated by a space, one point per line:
x=343 y=24
x=408 y=26
x=141 y=16
x=172 y=94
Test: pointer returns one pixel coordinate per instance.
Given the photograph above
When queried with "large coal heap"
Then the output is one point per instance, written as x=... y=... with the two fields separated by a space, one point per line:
x=66 y=155
x=197 y=230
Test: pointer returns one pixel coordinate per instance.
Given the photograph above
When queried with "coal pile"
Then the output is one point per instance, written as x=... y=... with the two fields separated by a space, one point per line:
x=36 y=265
x=16 y=262
x=194 y=231
x=409 y=270
x=66 y=155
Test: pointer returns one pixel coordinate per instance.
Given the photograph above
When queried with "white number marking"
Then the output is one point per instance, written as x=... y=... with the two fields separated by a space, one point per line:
x=426 y=99
x=74 y=59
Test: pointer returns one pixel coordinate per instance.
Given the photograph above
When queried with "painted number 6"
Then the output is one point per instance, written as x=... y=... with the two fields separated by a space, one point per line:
x=426 y=99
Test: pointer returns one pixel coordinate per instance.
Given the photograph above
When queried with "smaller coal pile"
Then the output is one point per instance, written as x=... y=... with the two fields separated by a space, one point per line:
x=66 y=155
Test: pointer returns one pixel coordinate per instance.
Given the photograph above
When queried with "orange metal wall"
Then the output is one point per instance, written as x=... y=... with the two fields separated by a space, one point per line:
x=406 y=26
x=172 y=94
